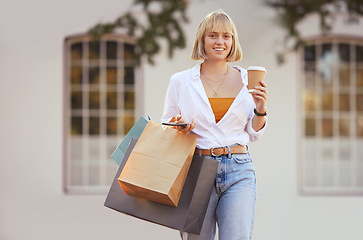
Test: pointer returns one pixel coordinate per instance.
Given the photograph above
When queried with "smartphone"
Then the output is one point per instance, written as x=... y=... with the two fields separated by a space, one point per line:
x=175 y=124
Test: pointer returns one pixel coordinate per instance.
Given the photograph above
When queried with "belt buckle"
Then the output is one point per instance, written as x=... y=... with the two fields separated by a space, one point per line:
x=214 y=155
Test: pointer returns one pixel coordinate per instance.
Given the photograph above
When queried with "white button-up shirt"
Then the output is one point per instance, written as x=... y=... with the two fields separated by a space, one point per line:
x=186 y=96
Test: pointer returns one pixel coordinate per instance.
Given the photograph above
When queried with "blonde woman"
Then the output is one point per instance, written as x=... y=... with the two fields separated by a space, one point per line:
x=212 y=98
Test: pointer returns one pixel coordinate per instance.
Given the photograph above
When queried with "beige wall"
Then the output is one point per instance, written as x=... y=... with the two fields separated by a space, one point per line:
x=32 y=204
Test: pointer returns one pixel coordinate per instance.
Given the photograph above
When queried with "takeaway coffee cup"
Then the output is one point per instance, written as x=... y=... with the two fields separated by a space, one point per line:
x=255 y=75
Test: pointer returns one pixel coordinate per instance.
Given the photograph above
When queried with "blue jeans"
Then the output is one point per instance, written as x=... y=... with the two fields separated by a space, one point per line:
x=232 y=202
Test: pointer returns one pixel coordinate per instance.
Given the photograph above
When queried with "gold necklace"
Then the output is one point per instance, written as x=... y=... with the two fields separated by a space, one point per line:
x=215 y=94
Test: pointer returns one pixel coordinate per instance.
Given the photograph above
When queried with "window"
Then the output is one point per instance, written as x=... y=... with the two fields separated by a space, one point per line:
x=332 y=117
x=101 y=93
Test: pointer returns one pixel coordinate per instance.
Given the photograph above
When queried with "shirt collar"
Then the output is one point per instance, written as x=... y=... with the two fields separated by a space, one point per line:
x=196 y=71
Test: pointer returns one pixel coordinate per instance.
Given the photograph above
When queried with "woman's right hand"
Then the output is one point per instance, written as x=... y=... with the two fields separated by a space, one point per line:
x=185 y=129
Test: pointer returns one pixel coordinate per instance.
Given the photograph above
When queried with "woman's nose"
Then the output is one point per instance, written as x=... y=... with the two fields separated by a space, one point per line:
x=219 y=39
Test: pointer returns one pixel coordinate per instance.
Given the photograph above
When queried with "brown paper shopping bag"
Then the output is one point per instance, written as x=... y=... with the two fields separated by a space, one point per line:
x=158 y=165
x=188 y=216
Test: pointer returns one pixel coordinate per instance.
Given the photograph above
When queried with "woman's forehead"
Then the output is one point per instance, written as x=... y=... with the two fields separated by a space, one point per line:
x=219 y=27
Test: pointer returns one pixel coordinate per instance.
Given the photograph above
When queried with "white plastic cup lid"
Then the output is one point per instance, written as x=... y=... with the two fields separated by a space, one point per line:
x=257 y=68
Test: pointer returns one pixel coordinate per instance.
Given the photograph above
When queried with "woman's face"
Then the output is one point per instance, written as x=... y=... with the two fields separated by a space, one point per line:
x=217 y=44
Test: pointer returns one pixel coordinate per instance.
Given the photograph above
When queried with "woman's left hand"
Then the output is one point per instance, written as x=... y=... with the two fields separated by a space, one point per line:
x=259 y=95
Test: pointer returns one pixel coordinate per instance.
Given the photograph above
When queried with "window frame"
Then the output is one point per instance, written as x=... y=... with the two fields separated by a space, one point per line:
x=324 y=191
x=137 y=111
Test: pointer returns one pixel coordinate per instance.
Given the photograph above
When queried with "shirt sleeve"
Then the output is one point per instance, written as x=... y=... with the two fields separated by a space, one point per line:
x=253 y=135
x=171 y=108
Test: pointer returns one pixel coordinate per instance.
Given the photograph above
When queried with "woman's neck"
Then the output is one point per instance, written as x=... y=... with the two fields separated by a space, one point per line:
x=214 y=68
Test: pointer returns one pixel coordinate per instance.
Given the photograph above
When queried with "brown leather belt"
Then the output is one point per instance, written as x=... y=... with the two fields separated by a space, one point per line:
x=216 y=152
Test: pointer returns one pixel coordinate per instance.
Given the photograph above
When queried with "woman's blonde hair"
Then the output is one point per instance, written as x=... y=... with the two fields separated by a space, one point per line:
x=212 y=21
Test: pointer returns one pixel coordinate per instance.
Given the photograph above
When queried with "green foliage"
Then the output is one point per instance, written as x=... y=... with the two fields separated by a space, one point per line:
x=291 y=12
x=162 y=20
x=166 y=23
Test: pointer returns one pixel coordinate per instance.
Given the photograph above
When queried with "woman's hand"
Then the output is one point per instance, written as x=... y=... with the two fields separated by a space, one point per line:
x=185 y=129
x=259 y=95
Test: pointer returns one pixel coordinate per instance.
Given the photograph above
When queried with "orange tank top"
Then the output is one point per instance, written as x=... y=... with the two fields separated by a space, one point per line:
x=220 y=106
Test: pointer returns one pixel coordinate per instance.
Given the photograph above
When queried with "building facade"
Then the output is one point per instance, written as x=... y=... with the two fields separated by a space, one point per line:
x=66 y=104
